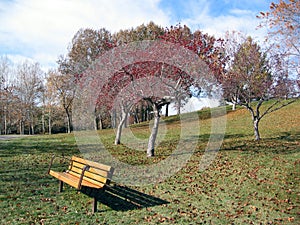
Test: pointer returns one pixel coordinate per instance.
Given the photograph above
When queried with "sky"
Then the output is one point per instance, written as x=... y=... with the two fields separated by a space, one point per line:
x=42 y=30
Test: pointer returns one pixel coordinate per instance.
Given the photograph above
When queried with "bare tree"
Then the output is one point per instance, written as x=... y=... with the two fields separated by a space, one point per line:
x=29 y=88
x=63 y=86
x=4 y=92
x=283 y=23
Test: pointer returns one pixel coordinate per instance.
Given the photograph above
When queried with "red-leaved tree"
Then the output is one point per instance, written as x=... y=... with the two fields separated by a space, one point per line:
x=156 y=71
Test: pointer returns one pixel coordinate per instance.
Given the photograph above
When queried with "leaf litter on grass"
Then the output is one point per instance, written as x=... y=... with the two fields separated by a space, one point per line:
x=248 y=183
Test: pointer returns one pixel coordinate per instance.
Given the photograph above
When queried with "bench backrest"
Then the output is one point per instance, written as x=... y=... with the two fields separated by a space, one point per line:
x=97 y=173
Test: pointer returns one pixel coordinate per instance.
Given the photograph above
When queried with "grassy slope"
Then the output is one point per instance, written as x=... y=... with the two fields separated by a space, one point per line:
x=248 y=183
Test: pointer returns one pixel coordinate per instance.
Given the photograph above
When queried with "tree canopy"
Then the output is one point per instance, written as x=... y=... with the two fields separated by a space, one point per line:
x=162 y=80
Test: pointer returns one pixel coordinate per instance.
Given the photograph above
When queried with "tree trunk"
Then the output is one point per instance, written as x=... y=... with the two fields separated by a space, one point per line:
x=29 y=128
x=120 y=127
x=32 y=128
x=5 y=124
x=49 y=122
x=68 y=121
x=43 y=122
x=256 y=129
x=152 y=138
x=119 y=133
x=32 y=122
x=167 y=110
x=142 y=114
x=114 y=119
x=178 y=106
x=147 y=114
x=234 y=102
x=95 y=122
x=234 y=106
x=136 y=115
x=100 y=123
x=21 y=127
x=126 y=122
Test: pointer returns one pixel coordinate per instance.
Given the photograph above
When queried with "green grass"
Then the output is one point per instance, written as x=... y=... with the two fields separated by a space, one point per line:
x=248 y=183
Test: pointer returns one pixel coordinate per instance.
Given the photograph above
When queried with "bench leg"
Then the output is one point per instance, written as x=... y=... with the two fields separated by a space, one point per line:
x=94 y=205
x=60 y=188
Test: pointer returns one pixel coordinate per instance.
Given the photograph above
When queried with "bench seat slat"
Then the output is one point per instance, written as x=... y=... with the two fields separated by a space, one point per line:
x=73 y=180
x=67 y=178
x=94 y=176
x=101 y=181
x=77 y=166
x=88 y=174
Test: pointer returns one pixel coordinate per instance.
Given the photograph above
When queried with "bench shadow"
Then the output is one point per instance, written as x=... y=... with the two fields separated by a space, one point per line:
x=122 y=198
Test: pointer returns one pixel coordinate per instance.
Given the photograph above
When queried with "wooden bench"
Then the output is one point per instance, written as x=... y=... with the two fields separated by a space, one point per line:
x=84 y=173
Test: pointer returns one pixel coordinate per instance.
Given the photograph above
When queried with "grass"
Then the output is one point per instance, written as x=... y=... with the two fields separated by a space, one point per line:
x=248 y=183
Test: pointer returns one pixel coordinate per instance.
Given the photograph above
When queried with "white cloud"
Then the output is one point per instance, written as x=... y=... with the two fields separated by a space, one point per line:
x=16 y=58
x=215 y=17
x=48 y=26
x=238 y=20
x=41 y=30
x=240 y=12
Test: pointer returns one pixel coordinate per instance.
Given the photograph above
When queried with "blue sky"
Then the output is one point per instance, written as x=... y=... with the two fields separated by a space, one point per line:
x=41 y=30
x=183 y=9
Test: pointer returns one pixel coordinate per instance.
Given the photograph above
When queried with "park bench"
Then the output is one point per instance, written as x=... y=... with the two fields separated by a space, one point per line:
x=82 y=174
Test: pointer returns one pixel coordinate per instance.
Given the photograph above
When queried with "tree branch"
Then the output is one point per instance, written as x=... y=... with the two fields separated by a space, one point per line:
x=270 y=110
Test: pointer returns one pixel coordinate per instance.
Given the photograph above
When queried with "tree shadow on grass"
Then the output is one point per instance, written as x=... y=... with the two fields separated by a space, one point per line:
x=203 y=141
x=122 y=198
x=23 y=146
x=287 y=136
x=284 y=143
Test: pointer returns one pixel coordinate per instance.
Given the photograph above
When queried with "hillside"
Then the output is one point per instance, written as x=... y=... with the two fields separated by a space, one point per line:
x=248 y=182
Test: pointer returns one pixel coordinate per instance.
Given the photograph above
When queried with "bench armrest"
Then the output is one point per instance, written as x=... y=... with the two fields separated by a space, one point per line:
x=85 y=168
x=52 y=160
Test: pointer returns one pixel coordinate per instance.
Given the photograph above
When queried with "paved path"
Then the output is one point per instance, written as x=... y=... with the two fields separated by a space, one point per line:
x=8 y=137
